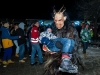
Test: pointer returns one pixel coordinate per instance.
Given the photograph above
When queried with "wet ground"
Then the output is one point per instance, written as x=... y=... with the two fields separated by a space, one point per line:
x=92 y=65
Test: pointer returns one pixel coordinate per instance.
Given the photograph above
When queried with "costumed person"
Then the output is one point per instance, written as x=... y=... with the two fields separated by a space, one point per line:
x=61 y=27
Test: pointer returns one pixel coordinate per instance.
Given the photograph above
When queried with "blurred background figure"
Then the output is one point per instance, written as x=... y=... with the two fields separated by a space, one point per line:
x=85 y=37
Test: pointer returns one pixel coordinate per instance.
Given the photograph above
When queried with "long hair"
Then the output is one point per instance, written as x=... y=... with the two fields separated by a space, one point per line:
x=52 y=64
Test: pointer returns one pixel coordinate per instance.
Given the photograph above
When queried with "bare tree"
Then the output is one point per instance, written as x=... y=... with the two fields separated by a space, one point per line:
x=89 y=10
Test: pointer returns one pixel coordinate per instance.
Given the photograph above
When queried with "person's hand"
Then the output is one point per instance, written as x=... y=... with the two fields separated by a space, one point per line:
x=89 y=41
x=19 y=36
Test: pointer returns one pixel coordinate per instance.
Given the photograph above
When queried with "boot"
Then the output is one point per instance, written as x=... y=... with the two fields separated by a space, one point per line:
x=5 y=63
x=10 y=61
x=16 y=55
x=24 y=58
x=85 y=56
x=21 y=61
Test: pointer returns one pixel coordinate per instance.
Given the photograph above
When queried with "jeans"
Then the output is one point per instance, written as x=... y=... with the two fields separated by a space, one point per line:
x=72 y=46
x=85 y=46
x=7 y=53
x=29 y=46
x=21 y=51
x=68 y=45
x=17 y=47
x=36 y=49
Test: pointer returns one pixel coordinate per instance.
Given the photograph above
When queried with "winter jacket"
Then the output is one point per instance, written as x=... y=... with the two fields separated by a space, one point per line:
x=20 y=32
x=34 y=35
x=49 y=35
x=85 y=35
x=6 y=37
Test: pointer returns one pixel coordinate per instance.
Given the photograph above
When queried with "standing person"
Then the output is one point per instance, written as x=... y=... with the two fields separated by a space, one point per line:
x=28 y=39
x=21 y=41
x=15 y=41
x=85 y=37
x=7 y=43
x=35 y=44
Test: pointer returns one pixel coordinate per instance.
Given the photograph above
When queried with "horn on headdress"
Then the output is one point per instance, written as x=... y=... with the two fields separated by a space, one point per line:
x=54 y=11
x=61 y=8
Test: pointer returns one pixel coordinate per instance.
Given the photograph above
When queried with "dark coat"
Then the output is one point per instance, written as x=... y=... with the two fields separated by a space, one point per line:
x=20 y=32
x=67 y=31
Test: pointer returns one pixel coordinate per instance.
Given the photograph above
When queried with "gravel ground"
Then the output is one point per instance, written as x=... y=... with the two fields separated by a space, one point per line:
x=92 y=65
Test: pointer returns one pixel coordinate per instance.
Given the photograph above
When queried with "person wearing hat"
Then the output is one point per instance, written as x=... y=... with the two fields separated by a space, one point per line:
x=85 y=37
x=7 y=43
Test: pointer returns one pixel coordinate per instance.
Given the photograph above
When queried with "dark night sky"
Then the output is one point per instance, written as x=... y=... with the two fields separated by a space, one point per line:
x=36 y=10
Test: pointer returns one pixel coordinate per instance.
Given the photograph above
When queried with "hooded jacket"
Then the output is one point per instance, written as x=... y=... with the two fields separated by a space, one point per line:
x=21 y=25
x=6 y=37
x=20 y=32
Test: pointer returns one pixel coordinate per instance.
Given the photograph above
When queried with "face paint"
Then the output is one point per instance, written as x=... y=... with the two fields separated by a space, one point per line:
x=59 y=20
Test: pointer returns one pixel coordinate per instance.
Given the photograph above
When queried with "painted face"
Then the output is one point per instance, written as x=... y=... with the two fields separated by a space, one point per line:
x=59 y=20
